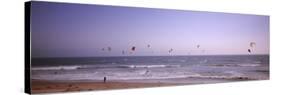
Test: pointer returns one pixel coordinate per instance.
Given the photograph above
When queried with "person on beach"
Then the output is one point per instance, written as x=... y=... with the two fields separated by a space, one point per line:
x=104 y=79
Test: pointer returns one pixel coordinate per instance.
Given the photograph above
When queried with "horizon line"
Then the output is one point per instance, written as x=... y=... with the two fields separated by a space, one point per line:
x=152 y=55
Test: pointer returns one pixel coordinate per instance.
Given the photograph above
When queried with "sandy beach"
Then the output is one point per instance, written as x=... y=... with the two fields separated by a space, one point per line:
x=43 y=86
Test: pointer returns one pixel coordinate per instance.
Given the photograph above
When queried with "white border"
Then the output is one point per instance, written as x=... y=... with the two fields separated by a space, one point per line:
x=12 y=46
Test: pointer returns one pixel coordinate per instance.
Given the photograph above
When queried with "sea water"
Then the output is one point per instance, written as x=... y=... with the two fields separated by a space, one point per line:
x=143 y=68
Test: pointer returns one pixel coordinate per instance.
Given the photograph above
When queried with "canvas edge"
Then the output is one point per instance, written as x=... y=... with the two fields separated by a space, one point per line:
x=27 y=25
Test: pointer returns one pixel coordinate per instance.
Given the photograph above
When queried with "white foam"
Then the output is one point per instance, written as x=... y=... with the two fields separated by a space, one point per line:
x=236 y=65
x=149 y=66
x=115 y=75
x=249 y=65
x=56 y=68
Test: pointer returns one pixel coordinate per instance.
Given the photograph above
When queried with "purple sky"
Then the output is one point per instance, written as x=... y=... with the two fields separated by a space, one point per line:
x=77 y=30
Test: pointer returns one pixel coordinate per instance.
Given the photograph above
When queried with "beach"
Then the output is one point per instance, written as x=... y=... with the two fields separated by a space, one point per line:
x=43 y=86
x=46 y=86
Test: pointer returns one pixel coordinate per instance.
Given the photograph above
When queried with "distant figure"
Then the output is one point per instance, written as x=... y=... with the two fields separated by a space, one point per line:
x=146 y=72
x=104 y=79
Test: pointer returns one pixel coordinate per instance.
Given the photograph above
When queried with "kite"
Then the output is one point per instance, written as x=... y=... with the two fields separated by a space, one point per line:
x=133 y=48
x=249 y=50
x=170 y=51
x=198 y=46
x=109 y=48
x=252 y=44
x=148 y=46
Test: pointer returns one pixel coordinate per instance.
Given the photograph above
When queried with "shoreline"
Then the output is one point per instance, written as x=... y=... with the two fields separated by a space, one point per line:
x=49 y=86
x=45 y=86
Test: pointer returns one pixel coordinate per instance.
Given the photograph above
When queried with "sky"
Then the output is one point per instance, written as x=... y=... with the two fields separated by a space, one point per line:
x=80 y=30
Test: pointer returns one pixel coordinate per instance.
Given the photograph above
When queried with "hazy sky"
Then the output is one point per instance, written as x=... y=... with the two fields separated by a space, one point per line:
x=72 y=30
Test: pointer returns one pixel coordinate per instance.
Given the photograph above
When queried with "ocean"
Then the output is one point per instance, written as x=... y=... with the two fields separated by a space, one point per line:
x=148 y=68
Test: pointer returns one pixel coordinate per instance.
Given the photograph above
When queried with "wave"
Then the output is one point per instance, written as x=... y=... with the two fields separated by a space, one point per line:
x=56 y=68
x=102 y=67
x=234 y=65
x=148 y=66
x=129 y=76
x=117 y=74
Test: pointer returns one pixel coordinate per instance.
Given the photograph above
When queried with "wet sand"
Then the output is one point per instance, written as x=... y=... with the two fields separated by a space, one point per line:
x=42 y=86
